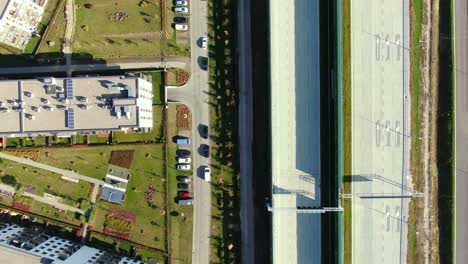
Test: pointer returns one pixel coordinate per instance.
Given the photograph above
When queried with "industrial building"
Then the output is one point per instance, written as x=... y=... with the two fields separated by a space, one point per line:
x=66 y=106
x=36 y=246
x=19 y=19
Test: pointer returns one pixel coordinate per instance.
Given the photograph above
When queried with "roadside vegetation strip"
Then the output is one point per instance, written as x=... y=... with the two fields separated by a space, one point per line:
x=415 y=87
x=225 y=234
x=347 y=129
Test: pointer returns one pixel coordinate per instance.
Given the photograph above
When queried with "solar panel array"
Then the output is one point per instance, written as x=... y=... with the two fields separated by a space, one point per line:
x=68 y=89
x=70 y=118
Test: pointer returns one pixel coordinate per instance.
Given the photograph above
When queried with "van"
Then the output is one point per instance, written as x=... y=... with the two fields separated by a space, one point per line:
x=207 y=174
x=185 y=201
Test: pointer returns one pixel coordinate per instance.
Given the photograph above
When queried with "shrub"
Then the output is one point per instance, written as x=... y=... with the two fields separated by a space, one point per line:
x=10 y=180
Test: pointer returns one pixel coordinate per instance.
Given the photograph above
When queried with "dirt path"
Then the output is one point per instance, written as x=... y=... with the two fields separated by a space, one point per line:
x=427 y=246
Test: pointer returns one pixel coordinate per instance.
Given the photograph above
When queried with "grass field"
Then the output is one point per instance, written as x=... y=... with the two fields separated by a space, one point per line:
x=158 y=86
x=96 y=40
x=156 y=133
x=180 y=230
x=149 y=227
x=56 y=34
x=347 y=125
x=44 y=181
x=90 y=161
x=416 y=27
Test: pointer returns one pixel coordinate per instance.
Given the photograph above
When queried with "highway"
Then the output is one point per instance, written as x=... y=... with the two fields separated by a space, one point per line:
x=246 y=132
x=380 y=63
x=461 y=144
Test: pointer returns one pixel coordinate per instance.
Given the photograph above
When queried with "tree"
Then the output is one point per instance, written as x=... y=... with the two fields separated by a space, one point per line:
x=10 y=180
x=85 y=27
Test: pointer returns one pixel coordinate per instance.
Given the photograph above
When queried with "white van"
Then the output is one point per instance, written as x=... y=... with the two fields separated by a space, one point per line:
x=207 y=174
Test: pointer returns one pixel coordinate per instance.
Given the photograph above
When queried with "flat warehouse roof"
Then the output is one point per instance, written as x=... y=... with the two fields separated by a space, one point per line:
x=295 y=115
x=39 y=105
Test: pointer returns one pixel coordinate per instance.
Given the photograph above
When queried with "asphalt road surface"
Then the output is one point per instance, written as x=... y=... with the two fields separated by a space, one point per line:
x=461 y=144
x=380 y=63
x=196 y=96
x=245 y=132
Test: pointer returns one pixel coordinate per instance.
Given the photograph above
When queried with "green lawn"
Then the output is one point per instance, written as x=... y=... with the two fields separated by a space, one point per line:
x=49 y=211
x=158 y=86
x=156 y=133
x=347 y=125
x=45 y=181
x=416 y=28
x=56 y=34
x=180 y=230
x=94 y=139
x=145 y=171
x=96 y=41
x=89 y=161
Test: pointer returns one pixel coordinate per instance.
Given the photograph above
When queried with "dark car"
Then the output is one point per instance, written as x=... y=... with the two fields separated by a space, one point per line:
x=181 y=19
x=183 y=152
x=205 y=150
x=183 y=186
x=204 y=63
x=203 y=129
x=183 y=179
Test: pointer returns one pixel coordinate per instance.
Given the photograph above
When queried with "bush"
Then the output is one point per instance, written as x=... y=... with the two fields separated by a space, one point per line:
x=89 y=6
x=10 y=180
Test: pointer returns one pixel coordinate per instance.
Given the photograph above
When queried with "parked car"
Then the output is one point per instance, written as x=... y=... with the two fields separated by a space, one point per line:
x=183 y=167
x=205 y=150
x=181 y=19
x=184 y=160
x=184 y=194
x=185 y=201
x=207 y=174
x=203 y=130
x=183 y=10
x=204 y=42
x=183 y=152
x=181 y=27
x=183 y=141
x=183 y=178
x=183 y=186
x=204 y=63
x=181 y=3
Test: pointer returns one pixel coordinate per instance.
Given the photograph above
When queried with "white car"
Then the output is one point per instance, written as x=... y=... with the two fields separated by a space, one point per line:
x=184 y=167
x=182 y=27
x=204 y=43
x=184 y=160
x=207 y=174
x=181 y=3
x=181 y=10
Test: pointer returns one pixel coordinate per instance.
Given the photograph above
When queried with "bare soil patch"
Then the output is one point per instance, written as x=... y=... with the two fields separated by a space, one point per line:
x=184 y=117
x=122 y=158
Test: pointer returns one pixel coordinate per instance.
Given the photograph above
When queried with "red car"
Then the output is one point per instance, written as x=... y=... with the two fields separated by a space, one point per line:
x=185 y=194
